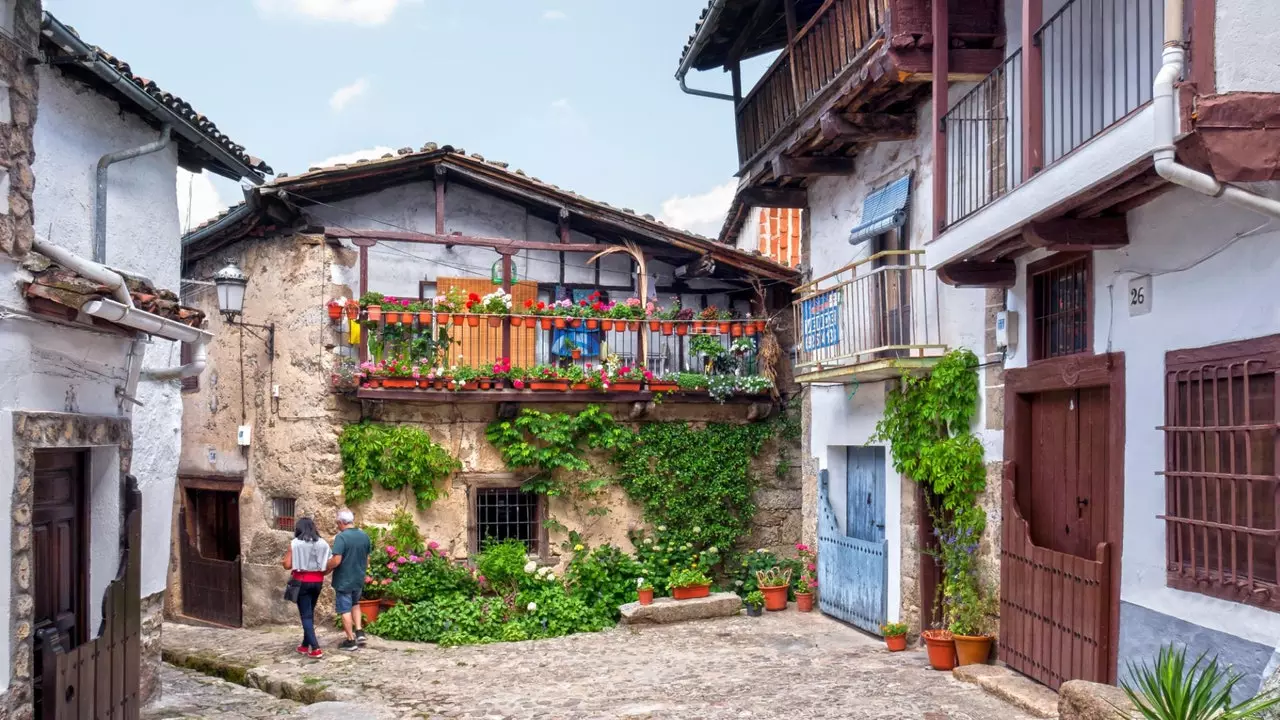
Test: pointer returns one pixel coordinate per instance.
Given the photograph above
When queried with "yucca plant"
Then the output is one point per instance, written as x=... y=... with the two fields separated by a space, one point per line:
x=1169 y=689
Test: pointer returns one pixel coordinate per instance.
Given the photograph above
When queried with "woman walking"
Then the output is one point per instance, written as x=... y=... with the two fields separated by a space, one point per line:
x=308 y=558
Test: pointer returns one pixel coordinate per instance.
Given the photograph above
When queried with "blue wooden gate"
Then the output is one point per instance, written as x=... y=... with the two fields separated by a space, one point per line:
x=853 y=565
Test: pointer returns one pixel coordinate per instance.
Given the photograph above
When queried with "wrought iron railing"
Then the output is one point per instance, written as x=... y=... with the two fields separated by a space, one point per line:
x=874 y=309
x=984 y=141
x=830 y=42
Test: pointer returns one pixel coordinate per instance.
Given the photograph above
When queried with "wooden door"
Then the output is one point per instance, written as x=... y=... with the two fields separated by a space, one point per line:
x=1056 y=561
x=853 y=564
x=864 y=500
x=59 y=562
x=209 y=525
x=891 y=294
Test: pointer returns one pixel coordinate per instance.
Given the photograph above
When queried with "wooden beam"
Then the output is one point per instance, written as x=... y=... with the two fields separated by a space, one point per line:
x=775 y=197
x=1032 y=89
x=563 y=217
x=498 y=244
x=1078 y=234
x=787 y=166
x=968 y=274
x=1135 y=187
x=867 y=127
x=702 y=267
x=764 y=9
x=440 y=172
x=941 y=103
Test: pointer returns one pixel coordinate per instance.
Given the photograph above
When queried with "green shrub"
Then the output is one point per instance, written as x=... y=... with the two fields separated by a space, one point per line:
x=1170 y=689
x=420 y=578
x=603 y=578
x=503 y=565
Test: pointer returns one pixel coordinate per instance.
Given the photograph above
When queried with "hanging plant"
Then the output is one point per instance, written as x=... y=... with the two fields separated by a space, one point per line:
x=394 y=457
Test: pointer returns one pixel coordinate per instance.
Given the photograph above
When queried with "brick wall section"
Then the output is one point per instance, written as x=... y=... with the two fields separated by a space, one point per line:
x=780 y=238
x=17 y=73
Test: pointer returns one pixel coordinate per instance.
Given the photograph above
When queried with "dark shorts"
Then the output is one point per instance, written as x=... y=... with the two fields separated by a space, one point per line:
x=345 y=600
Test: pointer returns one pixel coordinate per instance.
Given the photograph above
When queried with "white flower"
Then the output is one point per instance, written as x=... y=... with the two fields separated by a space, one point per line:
x=639 y=582
x=738 y=583
x=662 y=528
x=648 y=541
x=530 y=566
x=532 y=606
x=696 y=529
x=763 y=550
x=712 y=549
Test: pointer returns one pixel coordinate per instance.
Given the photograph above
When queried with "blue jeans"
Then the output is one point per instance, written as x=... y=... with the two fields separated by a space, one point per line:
x=308 y=596
x=345 y=600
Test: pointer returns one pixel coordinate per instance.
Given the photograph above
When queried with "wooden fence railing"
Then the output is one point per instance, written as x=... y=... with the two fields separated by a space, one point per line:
x=99 y=679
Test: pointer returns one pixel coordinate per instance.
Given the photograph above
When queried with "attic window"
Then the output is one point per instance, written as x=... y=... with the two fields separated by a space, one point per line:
x=283 y=510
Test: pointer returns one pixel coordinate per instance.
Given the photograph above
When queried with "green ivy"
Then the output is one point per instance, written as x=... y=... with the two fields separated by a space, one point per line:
x=556 y=444
x=394 y=457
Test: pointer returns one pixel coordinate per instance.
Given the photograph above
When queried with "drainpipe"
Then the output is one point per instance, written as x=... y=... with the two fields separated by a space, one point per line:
x=94 y=271
x=100 y=187
x=1165 y=106
x=713 y=14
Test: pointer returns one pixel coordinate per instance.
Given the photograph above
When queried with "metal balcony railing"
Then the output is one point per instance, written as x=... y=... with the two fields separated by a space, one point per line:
x=984 y=141
x=873 y=310
x=831 y=41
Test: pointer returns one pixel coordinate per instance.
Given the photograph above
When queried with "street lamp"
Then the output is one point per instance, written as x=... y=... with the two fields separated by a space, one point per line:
x=231 y=283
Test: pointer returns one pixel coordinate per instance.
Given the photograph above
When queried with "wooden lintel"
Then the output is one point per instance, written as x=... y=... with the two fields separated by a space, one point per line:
x=1078 y=234
x=968 y=274
x=563 y=225
x=963 y=64
x=501 y=245
x=775 y=197
x=868 y=127
x=787 y=166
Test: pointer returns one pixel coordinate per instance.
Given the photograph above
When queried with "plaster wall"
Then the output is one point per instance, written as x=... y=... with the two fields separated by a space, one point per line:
x=1245 y=36
x=1213 y=268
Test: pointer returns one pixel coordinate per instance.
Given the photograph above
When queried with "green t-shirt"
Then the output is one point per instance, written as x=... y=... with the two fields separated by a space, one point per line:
x=353 y=545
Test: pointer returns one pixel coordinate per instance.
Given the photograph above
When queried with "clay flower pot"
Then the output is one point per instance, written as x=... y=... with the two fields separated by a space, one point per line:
x=459 y=320
x=691 y=592
x=604 y=324
x=393 y=318
x=424 y=318
x=575 y=323
x=471 y=385
x=625 y=386
x=942 y=649
x=754 y=611
x=577 y=354
x=369 y=609
x=735 y=330
x=761 y=325
x=335 y=311
x=749 y=329
x=560 y=323
x=896 y=643
x=698 y=326
x=375 y=313
x=443 y=318
x=400 y=383
x=545 y=323
x=655 y=325
x=667 y=327
x=495 y=321
x=516 y=321
x=473 y=320
x=633 y=325
x=660 y=386
x=645 y=596
x=592 y=323
x=775 y=598
x=353 y=310
x=682 y=328
x=580 y=387
x=972 y=649
x=388 y=603
x=804 y=602
x=549 y=385
x=724 y=328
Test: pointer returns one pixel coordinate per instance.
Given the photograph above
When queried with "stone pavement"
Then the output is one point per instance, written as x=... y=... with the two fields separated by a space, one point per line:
x=786 y=664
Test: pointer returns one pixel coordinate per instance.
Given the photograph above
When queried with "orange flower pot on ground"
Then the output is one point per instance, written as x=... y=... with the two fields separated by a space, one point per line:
x=972 y=649
x=645 y=596
x=369 y=609
x=896 y=643
x=942 y=648
x=775 y=598
x=804 y=602
x=691 y=592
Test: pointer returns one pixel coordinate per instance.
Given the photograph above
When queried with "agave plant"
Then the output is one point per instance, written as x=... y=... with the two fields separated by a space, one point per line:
x=1170 y=690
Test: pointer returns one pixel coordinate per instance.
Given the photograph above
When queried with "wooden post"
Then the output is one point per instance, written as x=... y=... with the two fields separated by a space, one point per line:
x=1032 y=89
x=789 y=9
x=735 y=73
x=439 y=183
x=941 y=68
x=506 y=322
x=364 y=245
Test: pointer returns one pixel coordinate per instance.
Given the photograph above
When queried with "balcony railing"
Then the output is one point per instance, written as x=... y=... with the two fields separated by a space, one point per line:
x=874 y=312
x=1090 y=65
x=830 y=42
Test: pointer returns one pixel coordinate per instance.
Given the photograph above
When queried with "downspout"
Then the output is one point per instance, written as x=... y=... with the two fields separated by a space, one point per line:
x=100 y=187
x=1165 y=108
x=85 y=268
x=713 y=14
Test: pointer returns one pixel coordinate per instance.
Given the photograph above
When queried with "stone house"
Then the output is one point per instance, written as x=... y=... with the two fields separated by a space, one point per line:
x=92 y=346
x=260 y=438
x=1002 y=197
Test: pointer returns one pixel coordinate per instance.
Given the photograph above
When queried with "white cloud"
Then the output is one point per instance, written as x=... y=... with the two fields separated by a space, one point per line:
x=372 y=153
x=561 y=104
x=198 y=199
x=343 y=96
x=554 y=15
x=359 y=12
x=703 y=214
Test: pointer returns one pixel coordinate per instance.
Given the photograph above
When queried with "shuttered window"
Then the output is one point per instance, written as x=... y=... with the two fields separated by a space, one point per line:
x=1221 y=494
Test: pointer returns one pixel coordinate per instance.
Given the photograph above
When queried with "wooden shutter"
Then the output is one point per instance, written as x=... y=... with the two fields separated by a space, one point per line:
x=483 y=345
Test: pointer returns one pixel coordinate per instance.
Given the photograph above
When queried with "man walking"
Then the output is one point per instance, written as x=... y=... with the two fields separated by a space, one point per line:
x=349 y=563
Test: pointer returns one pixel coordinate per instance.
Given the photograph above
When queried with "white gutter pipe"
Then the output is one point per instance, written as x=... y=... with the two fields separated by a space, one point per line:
x=96 y=272
x=160 y=327
x=100 y=187
x=1165 y=109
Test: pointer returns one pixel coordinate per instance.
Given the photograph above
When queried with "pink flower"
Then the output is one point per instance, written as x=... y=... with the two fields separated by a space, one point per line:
x=519 y=384
x=415 y=558
x=368 y=579
x=812 y=567
x=433 y=544
x=391 y=550
x=801 y=547
x=404 y=303
x=386 y=581
x=393 y=567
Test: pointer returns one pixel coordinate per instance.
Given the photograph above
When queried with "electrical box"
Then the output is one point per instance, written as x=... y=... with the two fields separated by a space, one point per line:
x=1007 y=329
x=275 y=391
x=244 y=435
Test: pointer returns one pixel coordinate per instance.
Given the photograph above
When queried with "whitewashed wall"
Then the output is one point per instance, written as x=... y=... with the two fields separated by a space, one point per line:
x=1246 y=37
x=52 y=368
x=1218 y=298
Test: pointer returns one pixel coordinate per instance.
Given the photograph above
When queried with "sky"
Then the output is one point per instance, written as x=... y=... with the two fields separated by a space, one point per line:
x=579 y=93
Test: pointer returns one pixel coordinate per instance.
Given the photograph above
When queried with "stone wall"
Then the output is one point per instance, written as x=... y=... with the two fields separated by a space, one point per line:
x=294 y=452
x=18 y=63
x=152 y=623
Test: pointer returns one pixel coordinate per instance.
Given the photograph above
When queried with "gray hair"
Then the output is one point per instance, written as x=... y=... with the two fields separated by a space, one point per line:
x=346 y=517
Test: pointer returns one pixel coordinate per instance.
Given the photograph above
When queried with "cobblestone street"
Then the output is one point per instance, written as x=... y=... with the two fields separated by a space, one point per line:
x=782 y=665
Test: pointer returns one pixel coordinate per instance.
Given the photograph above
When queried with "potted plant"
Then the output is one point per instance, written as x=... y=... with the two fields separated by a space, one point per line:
x=335 y=308
x=895 y=636
x=942 y=648
x=692 y=382
x=545 y=378
x=629 y=379
x=682 y=318
x=495 y=305
x=1170 y=688
x=568 y=345
x=775 y=583
x=755 y=603
x=663 y=383
x=723 y=320
x=644 y=591
x=372 y=303
x=689 y=583
x=969 y=612
x=808 y=578
x=474 y=306
x=753 y=384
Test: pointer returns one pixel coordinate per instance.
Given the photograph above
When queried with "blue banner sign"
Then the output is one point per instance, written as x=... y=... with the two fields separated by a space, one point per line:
x=820 y=320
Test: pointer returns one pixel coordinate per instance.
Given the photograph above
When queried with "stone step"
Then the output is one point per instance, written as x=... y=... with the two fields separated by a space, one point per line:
x=1011 y=687
x=665 y=610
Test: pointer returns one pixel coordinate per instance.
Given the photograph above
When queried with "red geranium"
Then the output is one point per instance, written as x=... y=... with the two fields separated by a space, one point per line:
x=470 y=303
x=583 y=303
x=598 y=306
x=528 y=303
x=473 y=297
x=542 y=305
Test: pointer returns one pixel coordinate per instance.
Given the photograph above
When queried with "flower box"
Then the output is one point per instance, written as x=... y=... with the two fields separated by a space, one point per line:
x=549 y=385
x=399 y=383
x=660 y=386
x=624 y=386
x=691 y=592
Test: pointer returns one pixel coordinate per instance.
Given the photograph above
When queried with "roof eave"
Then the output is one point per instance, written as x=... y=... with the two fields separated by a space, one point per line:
x=700 y=38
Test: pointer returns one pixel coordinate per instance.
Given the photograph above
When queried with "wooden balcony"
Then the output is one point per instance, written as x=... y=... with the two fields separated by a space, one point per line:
x=871 y=320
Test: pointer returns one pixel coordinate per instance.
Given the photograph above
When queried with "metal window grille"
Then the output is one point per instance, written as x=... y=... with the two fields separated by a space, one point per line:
x=507 y=514
x=1221 y=499
x=283 y=509
x=1060 y=313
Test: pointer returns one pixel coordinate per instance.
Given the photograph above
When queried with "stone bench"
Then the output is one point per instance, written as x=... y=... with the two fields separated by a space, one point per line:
x=665 y=610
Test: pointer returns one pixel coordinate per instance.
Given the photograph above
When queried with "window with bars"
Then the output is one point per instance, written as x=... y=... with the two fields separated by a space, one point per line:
x=1221 y=495
x=1060 y=300
x=501 y=514
x=283 y=511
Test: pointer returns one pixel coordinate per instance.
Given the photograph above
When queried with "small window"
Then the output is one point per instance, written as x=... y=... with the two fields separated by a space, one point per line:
x=1221 y=493
x=283 y=510
x=1060 y=305
x=502 y=514
x=189 y=384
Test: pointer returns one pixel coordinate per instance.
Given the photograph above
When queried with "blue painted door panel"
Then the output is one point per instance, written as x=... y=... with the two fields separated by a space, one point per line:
x=853 y=570
x=864 y=498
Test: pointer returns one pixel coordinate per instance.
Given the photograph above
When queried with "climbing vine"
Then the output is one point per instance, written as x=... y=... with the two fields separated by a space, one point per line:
x=555 y=445
x=927 y=423
x=394 y=457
